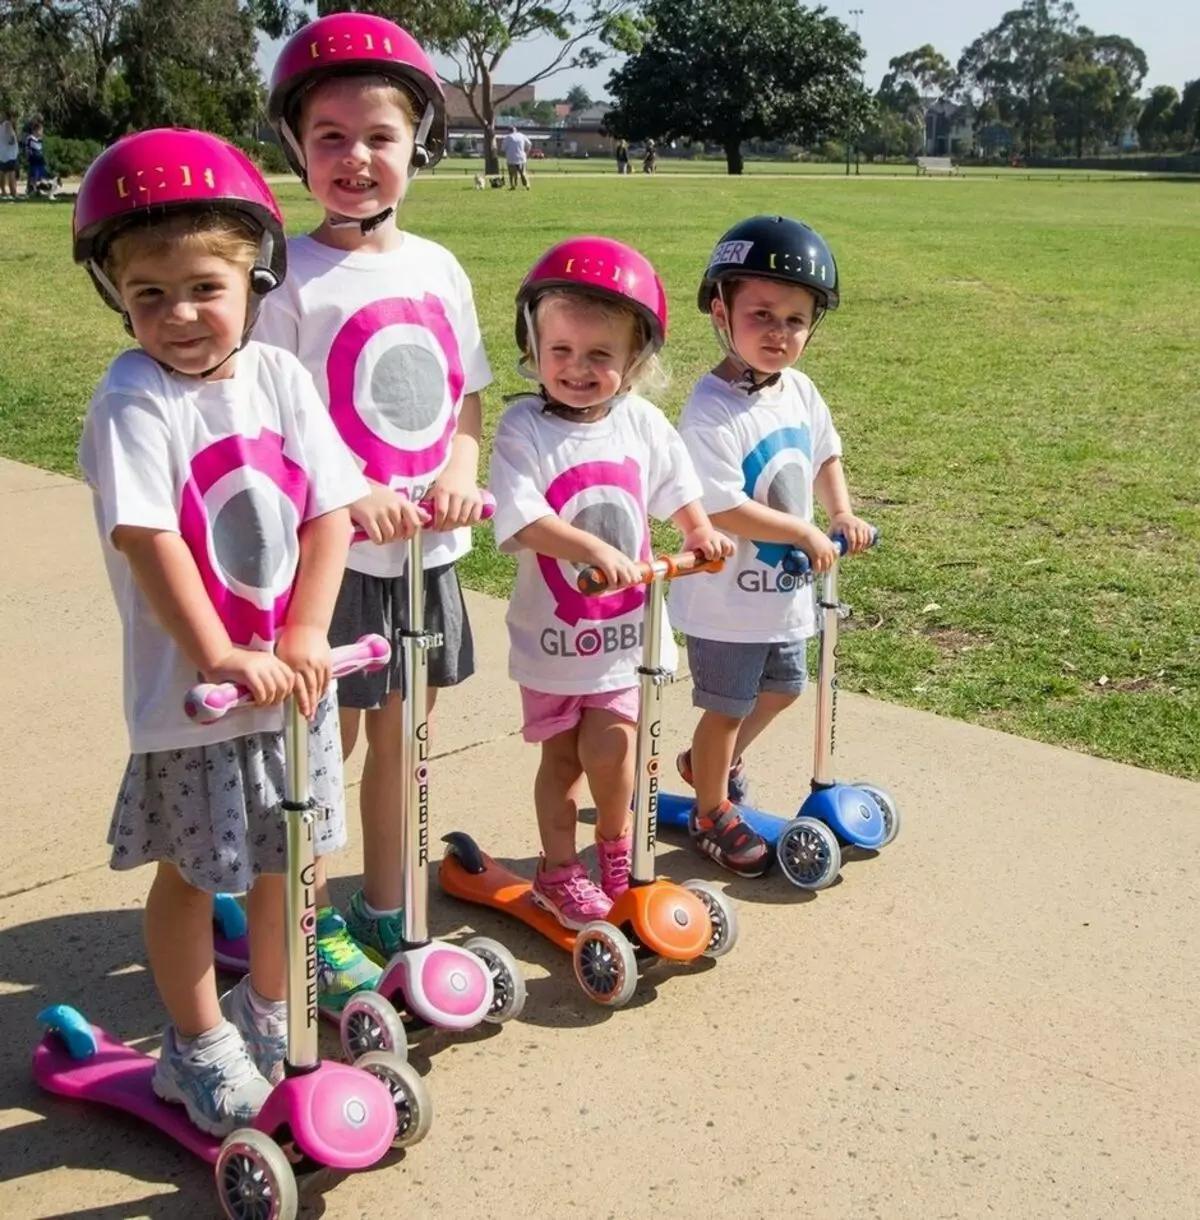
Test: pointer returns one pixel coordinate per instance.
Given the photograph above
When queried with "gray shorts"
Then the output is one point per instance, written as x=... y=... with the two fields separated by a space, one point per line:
x=216 y=813
x=379 y=604
x=728 y=678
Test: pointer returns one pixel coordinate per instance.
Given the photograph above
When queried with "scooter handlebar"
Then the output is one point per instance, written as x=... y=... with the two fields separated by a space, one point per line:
x=666 y=567
x=207 y=702
x=427 y=507
x=796 y=562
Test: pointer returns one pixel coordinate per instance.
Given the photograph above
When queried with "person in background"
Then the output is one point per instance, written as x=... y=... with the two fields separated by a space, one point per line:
x=10 y=152
x=516 y=151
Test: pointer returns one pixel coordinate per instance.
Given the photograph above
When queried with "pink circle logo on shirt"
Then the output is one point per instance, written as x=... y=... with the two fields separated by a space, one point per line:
x=395 y=400
x=240 y=514
x=620 y=519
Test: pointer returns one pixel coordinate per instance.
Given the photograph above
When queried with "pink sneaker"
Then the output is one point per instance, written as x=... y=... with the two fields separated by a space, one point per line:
x=570 y=895
x=614 y=856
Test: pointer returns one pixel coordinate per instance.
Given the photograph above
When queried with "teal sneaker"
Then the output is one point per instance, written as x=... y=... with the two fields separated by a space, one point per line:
x=380 y=935
x=342 y=967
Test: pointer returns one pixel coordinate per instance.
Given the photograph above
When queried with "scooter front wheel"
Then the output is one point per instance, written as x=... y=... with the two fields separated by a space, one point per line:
x=508 y=983
x=888 y=807
x=809 y=854
x=255 y=1180
x=721 y=914
x=369 y=1022
x=410 y=1096
x=605 y=965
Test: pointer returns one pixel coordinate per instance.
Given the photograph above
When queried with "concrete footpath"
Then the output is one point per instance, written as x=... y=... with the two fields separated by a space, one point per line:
x=996 y=1017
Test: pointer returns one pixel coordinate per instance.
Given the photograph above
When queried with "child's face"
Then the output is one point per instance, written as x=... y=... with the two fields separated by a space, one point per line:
x=771 y=322
x=583 y=353
x=187 y=310
x=358 y=145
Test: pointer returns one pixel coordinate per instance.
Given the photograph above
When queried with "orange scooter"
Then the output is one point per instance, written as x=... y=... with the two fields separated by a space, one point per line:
x=654 y=918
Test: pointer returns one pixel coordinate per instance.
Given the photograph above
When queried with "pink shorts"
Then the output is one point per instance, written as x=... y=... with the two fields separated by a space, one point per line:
x=547 y=715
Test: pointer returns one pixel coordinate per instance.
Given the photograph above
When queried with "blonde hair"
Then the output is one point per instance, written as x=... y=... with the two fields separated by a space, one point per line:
x=224 y=235
x=412 y=106
x=649 y=377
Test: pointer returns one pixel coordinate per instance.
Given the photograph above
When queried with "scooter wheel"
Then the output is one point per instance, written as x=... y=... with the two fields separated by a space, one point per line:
x=888 y=807
x=809 y=854
x=255 y=1180
x=414 y=1106
x=370 y=1023
x=508 y=983
x=721 y=913
x=605 y=965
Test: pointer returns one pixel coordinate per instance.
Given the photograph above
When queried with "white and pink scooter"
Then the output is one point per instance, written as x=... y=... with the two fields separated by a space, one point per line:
x=322 y=1115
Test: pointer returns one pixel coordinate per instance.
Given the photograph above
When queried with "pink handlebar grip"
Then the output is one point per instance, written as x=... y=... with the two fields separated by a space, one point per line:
x=426 y=506
x=207 y=702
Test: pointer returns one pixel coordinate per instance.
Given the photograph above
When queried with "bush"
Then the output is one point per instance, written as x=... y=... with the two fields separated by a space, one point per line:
x=266 y=154
x=69 y=158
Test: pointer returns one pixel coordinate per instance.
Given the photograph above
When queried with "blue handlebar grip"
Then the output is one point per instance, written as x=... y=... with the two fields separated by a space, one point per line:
x=796 y=563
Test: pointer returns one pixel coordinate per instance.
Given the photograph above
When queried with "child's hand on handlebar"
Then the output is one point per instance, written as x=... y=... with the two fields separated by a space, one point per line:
x=386 y=516
x=305 y=650
x=855 y=530
x=708 y=541
x=456 y=503
x=619 y=571
x=268 y=679
x=819 y=548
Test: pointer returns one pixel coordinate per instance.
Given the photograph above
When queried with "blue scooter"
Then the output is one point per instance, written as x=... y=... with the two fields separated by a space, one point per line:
x=809 y=846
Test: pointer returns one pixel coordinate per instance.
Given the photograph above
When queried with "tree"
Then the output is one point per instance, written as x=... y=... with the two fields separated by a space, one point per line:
x=916 y=78
x=726 y=71
x=578 y=98
x=1094 y=94
x=1156 y=123
x=476 y=34
x=1187 y=115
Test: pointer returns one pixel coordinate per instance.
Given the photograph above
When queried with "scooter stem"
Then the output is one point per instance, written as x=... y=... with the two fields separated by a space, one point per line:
x=826 y=711
x=651 y=678
x=300 y=910
x=414 y=753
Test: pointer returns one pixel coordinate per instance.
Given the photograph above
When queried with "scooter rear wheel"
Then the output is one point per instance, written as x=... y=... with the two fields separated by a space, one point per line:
x=255 y=1180
x=410 y=1096
x=508 y=983
x=722 y=914
x=605 y=965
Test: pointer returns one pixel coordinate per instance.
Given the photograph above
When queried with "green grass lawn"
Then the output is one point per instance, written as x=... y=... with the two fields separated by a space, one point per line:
x=1014 y=373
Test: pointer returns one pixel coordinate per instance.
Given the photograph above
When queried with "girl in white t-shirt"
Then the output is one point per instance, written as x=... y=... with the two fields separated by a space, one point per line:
x=385 y=322
x=221 y=495
x=576 y=470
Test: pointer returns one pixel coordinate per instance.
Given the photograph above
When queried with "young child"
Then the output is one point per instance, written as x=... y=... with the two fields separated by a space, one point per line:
x=575 y=471
x=221 y=494
x=385 y=322
x=763 y=443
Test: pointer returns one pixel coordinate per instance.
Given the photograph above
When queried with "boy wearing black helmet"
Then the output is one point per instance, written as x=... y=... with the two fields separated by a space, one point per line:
x=764 y=445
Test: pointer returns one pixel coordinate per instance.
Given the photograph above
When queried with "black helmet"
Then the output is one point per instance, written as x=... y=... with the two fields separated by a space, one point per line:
x=773 y=248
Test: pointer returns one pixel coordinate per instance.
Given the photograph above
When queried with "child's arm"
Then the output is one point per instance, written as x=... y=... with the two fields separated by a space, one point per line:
x=552 y=536
x=167 y=574
x=762 y=523
x=303 y=644
x=456 y=492
x=834 y=496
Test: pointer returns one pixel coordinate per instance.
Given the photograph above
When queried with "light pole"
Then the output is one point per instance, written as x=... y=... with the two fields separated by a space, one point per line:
x=856 y=13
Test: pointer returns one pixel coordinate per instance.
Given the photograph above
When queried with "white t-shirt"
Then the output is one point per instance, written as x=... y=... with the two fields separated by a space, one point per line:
x=607 y=478
x=767 y=447
x=516 y=147
x=392 y=342
x=235 y=467
x=9 y=148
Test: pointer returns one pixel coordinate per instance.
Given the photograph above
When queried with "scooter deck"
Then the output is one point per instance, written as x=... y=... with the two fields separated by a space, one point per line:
x=504 y=891
x=117 y=1076
x=673 y=812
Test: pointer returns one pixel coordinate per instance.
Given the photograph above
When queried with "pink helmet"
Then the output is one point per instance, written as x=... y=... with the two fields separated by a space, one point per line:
x=603 y=267
x=166 y=170
x=349 y=43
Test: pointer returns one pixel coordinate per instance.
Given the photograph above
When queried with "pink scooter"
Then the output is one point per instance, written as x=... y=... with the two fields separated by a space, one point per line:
x=433 y=983
x=322 y=1115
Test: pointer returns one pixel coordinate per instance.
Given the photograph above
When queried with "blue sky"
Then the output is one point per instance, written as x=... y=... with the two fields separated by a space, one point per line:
x=1167 y=30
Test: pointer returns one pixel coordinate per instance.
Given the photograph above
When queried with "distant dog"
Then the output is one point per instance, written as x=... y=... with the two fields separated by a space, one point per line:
x=47 y=188
x=480 y=182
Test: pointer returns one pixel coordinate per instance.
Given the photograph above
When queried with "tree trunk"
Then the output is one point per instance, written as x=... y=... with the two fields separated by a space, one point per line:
x=491 y=163
x=733 y=155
